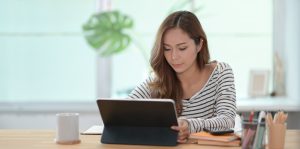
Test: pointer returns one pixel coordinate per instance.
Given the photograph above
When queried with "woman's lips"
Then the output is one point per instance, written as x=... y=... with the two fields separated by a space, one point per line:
x=176 y=65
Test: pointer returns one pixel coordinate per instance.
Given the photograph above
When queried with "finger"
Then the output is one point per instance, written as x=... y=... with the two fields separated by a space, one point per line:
x=181 y=128
x=175 y=128
x=182 y=137
x=182 y=140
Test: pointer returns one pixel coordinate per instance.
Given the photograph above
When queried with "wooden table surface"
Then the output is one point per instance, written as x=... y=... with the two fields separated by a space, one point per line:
x=44 y=139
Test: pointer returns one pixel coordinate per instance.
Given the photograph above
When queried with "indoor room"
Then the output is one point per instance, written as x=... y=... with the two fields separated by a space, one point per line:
x=61 y=56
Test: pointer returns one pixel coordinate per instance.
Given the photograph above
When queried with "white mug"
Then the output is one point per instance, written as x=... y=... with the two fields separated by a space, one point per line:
x=67 y=128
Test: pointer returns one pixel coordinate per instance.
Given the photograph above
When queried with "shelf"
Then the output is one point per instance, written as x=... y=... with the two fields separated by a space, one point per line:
x=243 y=104
x=268 y=104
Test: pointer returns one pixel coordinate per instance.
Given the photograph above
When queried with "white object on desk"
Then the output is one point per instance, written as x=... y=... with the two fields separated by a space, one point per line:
x=238 y=125
x=67 y=129
x=94 y=130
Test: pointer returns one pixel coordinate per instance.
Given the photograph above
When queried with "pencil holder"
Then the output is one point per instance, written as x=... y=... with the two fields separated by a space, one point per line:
x=276 y=136
x=248 y=133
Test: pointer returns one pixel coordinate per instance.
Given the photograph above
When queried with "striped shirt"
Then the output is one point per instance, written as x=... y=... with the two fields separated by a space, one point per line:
x=213 y=106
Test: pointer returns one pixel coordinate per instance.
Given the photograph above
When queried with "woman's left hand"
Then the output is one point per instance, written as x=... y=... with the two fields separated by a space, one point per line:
x=183 y=129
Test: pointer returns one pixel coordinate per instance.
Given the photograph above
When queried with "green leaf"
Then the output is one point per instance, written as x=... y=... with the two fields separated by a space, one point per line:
x=106 y=32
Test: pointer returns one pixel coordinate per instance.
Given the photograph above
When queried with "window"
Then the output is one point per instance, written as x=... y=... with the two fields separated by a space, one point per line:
x=44 y=57
x=236 y=35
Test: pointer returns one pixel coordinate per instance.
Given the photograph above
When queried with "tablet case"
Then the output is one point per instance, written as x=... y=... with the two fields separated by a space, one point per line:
x=138 y=121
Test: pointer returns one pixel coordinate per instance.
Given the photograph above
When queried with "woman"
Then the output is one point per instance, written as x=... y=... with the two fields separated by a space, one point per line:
x=203 y=91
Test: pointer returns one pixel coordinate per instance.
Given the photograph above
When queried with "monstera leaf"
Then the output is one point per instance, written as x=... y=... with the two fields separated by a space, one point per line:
x=106 y=32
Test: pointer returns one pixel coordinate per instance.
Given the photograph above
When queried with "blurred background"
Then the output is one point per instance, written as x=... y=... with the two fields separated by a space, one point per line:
x=51 y=60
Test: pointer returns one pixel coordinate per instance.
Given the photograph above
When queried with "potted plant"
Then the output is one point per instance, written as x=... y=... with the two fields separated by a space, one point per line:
x=107 y=32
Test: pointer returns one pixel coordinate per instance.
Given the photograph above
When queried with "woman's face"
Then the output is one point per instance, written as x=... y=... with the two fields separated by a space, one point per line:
x=180 y=50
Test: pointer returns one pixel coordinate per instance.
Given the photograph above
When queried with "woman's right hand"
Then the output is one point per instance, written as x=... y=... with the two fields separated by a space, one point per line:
x=183 y=131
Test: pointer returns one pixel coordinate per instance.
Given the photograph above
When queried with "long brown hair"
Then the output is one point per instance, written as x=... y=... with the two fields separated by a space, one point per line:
x=166 y=84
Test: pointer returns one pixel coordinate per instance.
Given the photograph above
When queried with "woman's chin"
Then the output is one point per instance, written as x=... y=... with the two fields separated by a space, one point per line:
x=178 y=71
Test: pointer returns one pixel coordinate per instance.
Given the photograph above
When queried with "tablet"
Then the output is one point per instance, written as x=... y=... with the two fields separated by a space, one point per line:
x=138 y=121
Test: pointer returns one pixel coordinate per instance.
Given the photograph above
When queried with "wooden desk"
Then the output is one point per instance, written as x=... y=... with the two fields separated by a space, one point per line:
x=44 y=139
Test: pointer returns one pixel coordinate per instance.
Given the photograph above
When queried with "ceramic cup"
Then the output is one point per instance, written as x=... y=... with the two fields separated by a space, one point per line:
x=67 y=128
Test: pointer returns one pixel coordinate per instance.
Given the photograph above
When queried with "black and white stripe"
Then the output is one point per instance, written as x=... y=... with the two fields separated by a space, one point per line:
x=213 y=106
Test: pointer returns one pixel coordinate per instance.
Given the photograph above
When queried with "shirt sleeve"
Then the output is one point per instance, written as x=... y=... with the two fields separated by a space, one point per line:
x=141 y=91
x=225 y=106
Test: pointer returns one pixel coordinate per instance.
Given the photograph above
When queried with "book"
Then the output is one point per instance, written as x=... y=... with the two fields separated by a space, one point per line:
x=220 y=143
x=209 y=137
x=93 y=130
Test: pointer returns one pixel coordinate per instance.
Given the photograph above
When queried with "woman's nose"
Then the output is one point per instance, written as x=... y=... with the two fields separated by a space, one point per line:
x=174 y=55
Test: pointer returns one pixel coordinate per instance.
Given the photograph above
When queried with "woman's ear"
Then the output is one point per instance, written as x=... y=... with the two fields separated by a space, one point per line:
x=199 y=47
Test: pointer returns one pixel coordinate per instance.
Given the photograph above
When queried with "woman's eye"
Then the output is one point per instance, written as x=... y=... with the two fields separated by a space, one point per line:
x=181 y=49
x=167 y=49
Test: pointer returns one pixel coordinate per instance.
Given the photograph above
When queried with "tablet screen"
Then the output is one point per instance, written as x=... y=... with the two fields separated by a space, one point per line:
x=138 y=112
